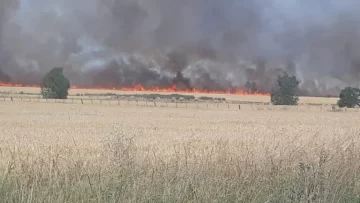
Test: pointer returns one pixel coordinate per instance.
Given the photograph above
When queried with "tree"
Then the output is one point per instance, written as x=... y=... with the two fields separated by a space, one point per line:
x=55 y=85
x=285 y=92
x=349 y=97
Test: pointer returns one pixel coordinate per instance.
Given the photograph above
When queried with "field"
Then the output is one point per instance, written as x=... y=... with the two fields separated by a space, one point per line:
x=73 y=152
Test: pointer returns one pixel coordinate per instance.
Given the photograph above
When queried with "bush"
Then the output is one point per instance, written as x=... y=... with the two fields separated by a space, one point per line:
x=285 y=91
x=55 y=85
x=349 y=97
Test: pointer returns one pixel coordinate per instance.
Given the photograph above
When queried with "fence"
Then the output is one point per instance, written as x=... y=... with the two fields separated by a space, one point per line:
x=228 y=105
x=128 y=102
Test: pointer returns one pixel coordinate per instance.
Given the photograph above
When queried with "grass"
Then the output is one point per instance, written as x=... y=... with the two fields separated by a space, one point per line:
x=102 y=153
x=224 y=178
x=160 y=96
x=206 y=98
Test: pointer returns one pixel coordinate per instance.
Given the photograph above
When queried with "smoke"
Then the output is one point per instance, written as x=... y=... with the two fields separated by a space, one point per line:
x=6 y=8
x=129 y=73
x=205 y=44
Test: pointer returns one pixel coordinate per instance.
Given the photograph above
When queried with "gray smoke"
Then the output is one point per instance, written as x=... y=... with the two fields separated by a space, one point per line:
x=6 y=9
x=206 y=44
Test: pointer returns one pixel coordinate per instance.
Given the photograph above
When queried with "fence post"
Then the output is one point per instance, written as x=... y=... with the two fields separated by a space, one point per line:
x=12 y=99
x=239 y=107
x=82 y=102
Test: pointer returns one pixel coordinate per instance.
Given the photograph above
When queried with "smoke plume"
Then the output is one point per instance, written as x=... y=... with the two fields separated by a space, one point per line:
x=205 y=44
x=6 y=9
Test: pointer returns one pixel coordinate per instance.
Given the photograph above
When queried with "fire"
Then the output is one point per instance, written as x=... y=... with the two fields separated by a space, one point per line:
x=140 y=88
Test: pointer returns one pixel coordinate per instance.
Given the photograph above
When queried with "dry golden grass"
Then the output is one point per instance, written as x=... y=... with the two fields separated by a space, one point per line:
x=52 y=152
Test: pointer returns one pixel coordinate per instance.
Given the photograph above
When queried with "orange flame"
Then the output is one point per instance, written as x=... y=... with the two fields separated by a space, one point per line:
x=140 y=88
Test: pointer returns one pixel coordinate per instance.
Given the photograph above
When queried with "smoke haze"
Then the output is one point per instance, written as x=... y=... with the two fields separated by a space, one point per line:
x=205 y=44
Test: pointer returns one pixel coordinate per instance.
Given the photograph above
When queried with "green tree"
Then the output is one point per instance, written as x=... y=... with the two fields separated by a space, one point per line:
x=285 y=92
x=55 y=85
x=349 y=97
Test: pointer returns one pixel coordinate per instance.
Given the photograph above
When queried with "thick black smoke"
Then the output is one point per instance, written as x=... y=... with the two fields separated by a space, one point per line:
x=206 y=44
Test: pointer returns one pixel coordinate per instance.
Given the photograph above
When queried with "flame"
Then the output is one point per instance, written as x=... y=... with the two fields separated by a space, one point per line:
x=140 y=88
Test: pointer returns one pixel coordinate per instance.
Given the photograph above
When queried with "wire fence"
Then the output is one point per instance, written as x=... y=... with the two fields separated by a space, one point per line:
x=128 y=102
x=191 y=104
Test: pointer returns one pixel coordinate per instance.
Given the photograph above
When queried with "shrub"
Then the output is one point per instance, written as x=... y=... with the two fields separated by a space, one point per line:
x=211 y=98
x=55 y=85
x=349 y=97
x=285 y=91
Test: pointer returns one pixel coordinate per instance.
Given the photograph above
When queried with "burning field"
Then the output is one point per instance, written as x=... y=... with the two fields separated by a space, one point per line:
x=140 y=88
x=128 y=133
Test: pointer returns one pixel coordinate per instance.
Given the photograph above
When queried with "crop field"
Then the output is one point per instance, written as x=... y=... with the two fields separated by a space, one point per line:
x=73 y=152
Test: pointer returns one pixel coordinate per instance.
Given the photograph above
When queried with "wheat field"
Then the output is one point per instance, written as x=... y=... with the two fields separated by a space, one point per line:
x=55 y=152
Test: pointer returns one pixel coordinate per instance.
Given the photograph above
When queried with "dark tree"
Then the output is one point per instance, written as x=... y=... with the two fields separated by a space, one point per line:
x=55 y=85
x=349 y=97
x=285 y=92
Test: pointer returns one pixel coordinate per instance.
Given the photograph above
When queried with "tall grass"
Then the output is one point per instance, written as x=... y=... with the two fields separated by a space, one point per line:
x=88 y=153
x=193 y=171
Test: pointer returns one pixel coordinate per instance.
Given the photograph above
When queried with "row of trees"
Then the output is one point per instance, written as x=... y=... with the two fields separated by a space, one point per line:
x=55 y=85
x=285 y=93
